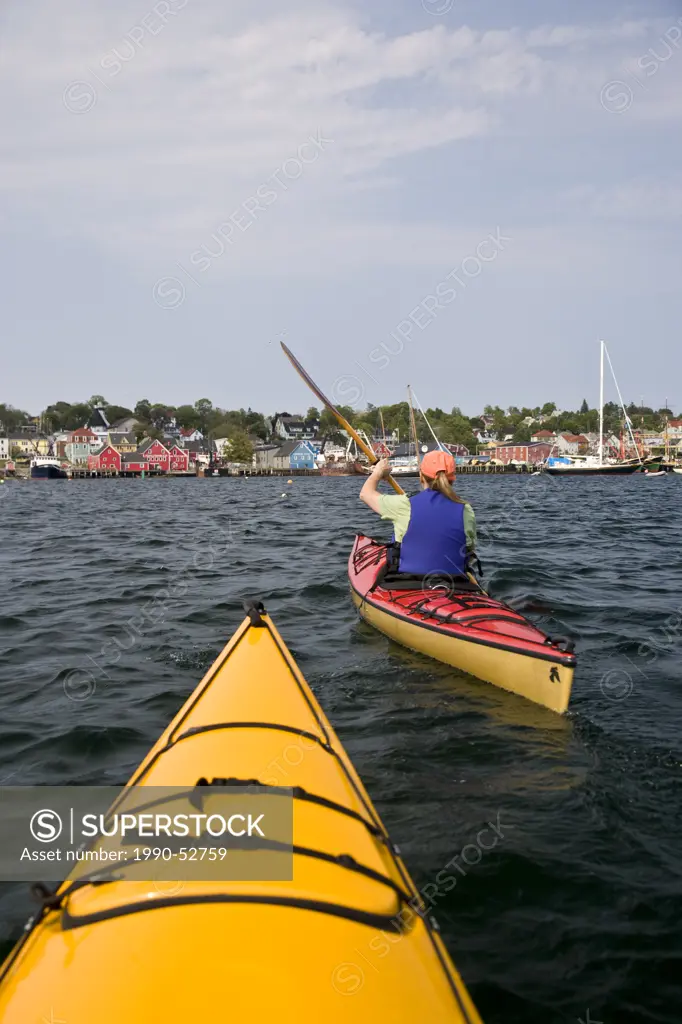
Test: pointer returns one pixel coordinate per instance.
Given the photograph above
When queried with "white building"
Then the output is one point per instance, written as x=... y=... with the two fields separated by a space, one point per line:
x=571 y=444
x=295 y=428
x=189 y=434
x=548 y=436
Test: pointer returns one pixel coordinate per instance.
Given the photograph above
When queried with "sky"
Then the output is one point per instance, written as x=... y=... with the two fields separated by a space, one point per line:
x=460 y=196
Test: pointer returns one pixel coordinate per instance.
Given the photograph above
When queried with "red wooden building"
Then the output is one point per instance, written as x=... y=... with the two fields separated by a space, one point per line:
x=156 y=454
x=530 y=453
x=179 y=459
x=106 y=459
x=134 y=462
x=193 y=448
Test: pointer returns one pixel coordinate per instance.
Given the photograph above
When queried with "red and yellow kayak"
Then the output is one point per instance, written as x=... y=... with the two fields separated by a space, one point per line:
x=347 y=938
x=464 y=628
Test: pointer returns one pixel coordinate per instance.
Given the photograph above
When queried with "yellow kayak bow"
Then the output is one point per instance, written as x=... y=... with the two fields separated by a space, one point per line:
x=347 y=938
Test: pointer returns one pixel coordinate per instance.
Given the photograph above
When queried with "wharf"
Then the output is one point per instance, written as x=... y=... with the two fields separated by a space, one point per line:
x=75 y=473
x=487 y=468
x=233 y=471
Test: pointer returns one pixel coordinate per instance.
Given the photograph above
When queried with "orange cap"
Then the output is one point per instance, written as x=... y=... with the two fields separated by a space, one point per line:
x=434 y=462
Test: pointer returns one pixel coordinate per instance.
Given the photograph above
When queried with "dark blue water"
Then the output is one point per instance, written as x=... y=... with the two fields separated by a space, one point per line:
x=115 y=597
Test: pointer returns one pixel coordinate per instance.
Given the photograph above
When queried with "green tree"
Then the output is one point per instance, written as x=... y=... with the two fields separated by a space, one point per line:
x=366 y=426
x=456 y=429
x=143 y=410
x=223 y=429
x=312 y=413
x=522 y=434
x=118 y=412
x=584 y=408
x=240 y=448
x=328 y=422
x=11 y=418
x=255 y=424
x=97 y=400
x=187 y=416
x=142 y=430
x=397 y=417
x=548 y=409
x=204 y=408
x=55 y=416
x=78 y=416
x=160 y=415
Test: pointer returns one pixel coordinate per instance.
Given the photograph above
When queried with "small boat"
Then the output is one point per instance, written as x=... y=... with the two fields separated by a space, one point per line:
x=398 y=469
x=46 y=467
x=456 y=622
x=346 y=920
x=338 y=469
x=654 y=472
x=587 y=467
x=407 y=468
x=677 y=469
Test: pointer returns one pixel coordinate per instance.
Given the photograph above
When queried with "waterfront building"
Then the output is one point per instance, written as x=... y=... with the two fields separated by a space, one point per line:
x=133 y=462
x=156 y=453
x=122 y=442
x=80 y=444
x=25 y=442
x=194 y=450
x=105 y=459
x=531 y=454
x=281 y=458
x=179 y=459
x=303 y=456
x=263 y=456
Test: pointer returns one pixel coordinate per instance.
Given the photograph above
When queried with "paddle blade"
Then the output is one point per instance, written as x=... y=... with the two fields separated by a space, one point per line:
x=341 y=420
x=310 y=382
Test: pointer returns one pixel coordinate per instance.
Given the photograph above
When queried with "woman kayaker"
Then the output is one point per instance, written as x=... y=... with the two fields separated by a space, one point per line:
x=436 y=528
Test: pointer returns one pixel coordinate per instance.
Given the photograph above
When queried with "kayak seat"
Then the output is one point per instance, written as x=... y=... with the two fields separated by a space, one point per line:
x=391 y=580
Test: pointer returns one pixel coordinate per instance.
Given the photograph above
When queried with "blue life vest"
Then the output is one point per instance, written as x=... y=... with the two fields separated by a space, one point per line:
x=435 y=541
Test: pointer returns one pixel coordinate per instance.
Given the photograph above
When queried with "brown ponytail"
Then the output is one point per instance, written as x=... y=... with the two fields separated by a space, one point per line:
x=441 y=484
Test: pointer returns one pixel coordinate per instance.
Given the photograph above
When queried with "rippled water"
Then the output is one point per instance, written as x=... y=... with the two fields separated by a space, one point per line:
x=578 y=906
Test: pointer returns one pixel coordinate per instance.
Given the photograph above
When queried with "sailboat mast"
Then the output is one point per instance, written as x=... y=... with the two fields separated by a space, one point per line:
x=601 y=406
x=667 y=446
x=413 y=425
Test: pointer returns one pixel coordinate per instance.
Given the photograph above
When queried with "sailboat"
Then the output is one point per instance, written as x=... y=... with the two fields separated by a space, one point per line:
x=408 y=465
x=594 y=465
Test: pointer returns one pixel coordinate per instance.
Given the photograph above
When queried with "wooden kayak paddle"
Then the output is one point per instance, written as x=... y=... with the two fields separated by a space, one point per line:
x=341 y=420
